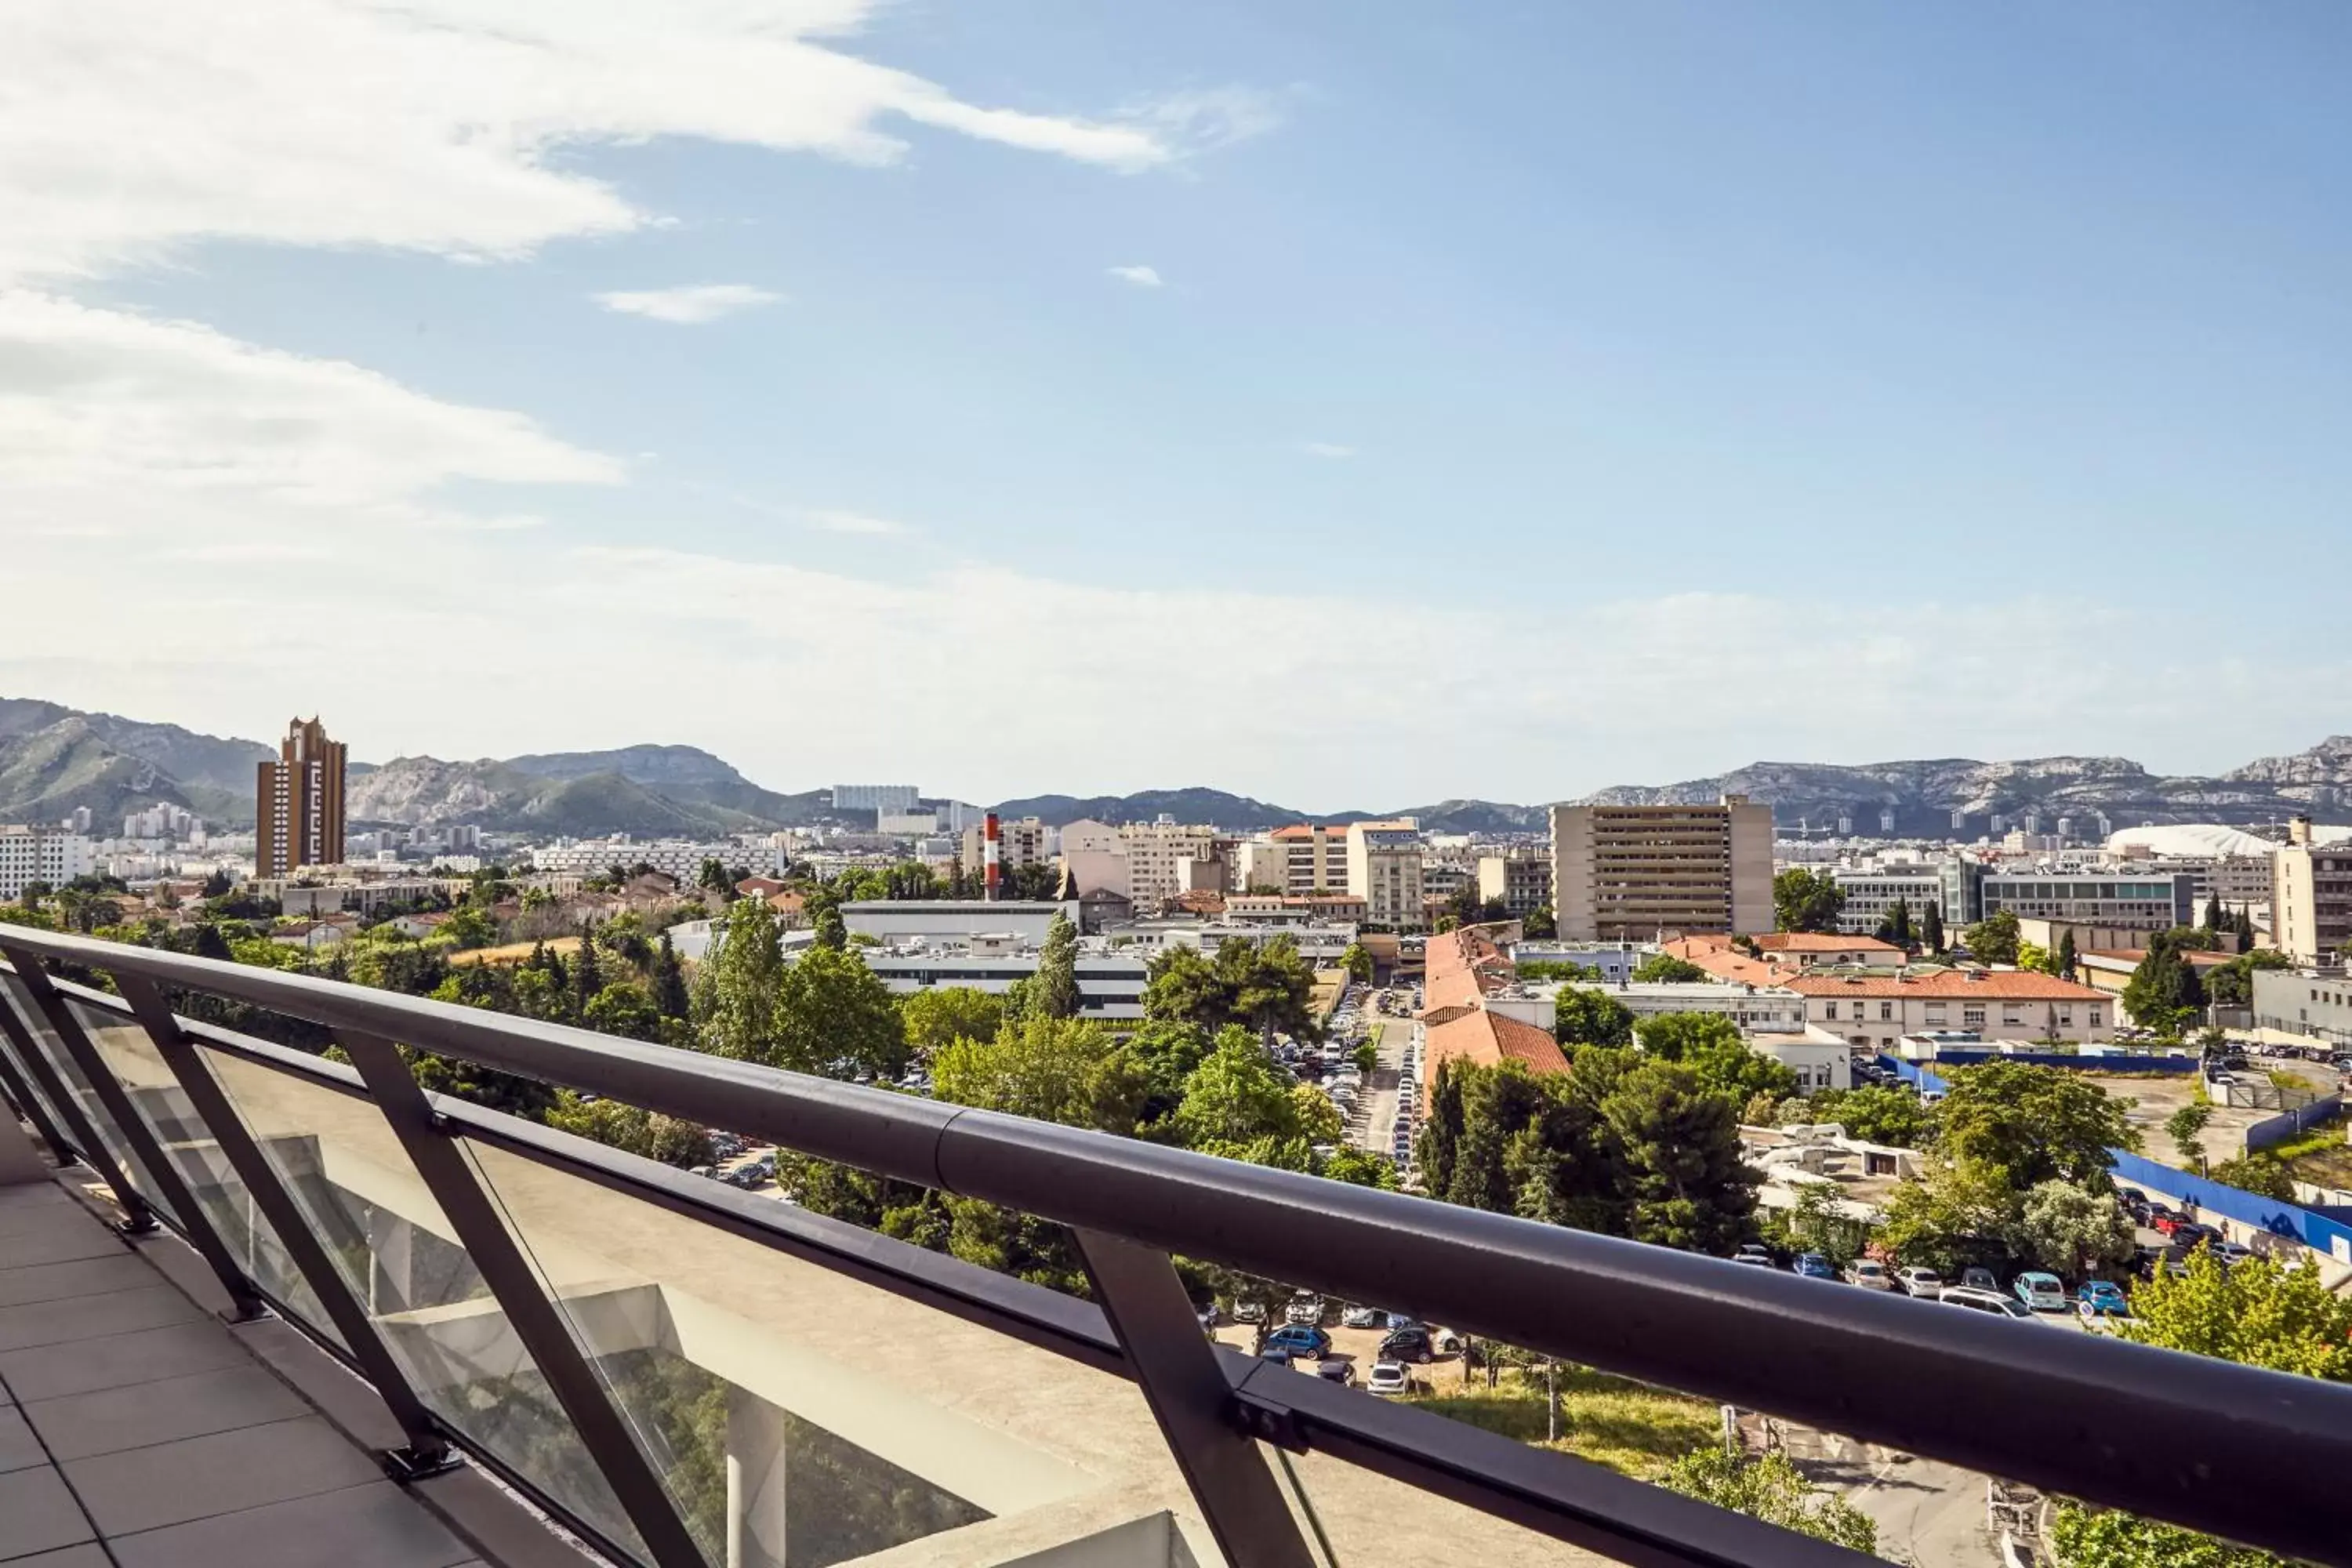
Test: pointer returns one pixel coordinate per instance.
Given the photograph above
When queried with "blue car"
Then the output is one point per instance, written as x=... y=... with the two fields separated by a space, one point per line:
x=1812 y=1265
x=1299 y=1340
x=2100 y=1299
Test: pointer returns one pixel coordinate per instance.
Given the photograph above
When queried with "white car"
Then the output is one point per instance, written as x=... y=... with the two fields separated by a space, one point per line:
x=1869 y=1274
x=1992 y=1303
x=1306 y=1308
x=1363 y=1317
x=1919 y=1282
x=1387 y=1377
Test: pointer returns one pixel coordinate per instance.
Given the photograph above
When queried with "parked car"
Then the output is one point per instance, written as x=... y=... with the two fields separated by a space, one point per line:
x=2102 y=1299
x=1306 y=1307
x=1917 y=1281
x=1387 y=1377
x=2166 y=1221
x=1300 y=1339
x=1977 y=1277
x=1275 y=1354
x=2134 y=1202
x=1812 y=1265
x=1754 y=1252
x=2041 y=1291
x=1334 y=1370
x=1990 y=1302
x=1409 y=1344
x=1249 y=1311
x=1869 y=1274
x=2191 y=1236
x=2232 y=1252
x=2173 y=1260
x=1362 y=1318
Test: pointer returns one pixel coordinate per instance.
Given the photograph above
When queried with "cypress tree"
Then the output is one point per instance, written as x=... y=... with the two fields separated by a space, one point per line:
x=669 y=981
x=1931 y=928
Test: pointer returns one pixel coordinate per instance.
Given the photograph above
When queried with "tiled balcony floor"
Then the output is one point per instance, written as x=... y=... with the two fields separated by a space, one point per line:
x=138 y=1430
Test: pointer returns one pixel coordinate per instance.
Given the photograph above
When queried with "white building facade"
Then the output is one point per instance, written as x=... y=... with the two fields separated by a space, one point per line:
x=43 y=854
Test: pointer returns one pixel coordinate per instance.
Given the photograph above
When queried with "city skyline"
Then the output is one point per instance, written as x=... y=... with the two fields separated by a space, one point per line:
x=980 y=393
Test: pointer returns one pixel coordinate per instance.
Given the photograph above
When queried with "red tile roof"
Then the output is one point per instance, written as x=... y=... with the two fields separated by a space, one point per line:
x=1487 y=1039
x=1823 y=942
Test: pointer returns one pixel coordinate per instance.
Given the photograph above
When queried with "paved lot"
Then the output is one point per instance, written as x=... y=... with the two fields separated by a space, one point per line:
x=1375 y=1124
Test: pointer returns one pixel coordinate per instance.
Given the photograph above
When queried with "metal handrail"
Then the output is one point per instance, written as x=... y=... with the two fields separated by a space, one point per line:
x=2253 y=1454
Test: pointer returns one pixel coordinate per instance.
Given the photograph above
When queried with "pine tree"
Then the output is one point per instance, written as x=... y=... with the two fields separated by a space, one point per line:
x=2066 y=957
x=670 y=997
x=586 y=976
x=1931 y=928
x=2213 y=916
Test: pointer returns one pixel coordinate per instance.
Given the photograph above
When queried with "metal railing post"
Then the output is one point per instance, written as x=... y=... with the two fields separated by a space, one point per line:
x=428 y=1452
x=137 y=1218
x=529 y=1309
x=145 y=1147
x=20 y=1091
x=1193 y=1403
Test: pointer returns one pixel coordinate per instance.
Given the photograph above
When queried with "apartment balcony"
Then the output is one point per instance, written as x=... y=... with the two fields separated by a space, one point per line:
x=264 y=1309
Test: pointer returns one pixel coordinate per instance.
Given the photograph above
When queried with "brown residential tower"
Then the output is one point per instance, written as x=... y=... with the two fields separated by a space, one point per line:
x=297 y=809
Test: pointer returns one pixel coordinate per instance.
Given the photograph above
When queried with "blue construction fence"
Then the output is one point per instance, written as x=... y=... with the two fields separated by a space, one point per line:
x=2281 y=1128
x=2315 y=1230
x=2181 y=1066
x=1925 y=1079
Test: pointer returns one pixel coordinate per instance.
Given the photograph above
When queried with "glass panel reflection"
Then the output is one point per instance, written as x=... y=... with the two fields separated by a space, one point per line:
x=70 y=1072
x=399 y=1255
x=801 y=1418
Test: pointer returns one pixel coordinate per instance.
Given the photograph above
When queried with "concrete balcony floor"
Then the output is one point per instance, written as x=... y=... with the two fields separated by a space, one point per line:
x=138 y=1429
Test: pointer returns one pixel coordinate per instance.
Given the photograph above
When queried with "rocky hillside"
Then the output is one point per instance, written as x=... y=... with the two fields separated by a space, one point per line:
x=54 y=759
x=649 y=791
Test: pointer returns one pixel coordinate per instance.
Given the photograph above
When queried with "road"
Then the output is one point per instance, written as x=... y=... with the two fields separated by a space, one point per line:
x=1927 y=1512
x=1375 y=1124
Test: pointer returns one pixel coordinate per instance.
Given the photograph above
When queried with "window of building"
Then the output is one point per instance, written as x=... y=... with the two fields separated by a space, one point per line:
x=1972 y=1018
x=2094 y=1017
x=1886 y=1011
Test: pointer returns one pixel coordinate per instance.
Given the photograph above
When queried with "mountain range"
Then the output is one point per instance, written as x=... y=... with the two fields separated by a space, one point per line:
x=54 y=758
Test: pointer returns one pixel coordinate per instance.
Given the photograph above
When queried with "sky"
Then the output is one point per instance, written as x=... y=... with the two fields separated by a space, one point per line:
x=1350 y=405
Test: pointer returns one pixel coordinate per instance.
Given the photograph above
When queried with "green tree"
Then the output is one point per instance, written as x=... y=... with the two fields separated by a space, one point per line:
x=1235 y=1097
x=1876 y=1113
x=2164 y=993
x=1931 y=928
x=2185 y=1127
x=671 y=1139
x=1541 y=924
x=623 y=1008
x=2084 y=1537
x=2231 y=984
x=1584 y=1017
x=2067 y=960
x=1678 y=1142
x=1994 y=939
x=1896 y=927
x=941 y=1015
x=711 y=876
x=1358 y=962
x=1711 y=1045
x=671 y=998
x=1804 y=899
x=1167 y=1051
x=1049 y=1070
x=2030 y=1124
x=1265 y=986
x=217 y=884
x=1664 y=968
x=2213 y=916
x=1054 y=990
x=587 y=972
x=2035 y=956
x=824 y=906
x=2067 y=1229
x=2255 y=1312
x=741 y=984
x=833 y=1015
x=1774 y=1491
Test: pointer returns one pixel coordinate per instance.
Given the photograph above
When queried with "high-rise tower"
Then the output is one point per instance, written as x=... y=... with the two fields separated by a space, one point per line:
x=298 y=808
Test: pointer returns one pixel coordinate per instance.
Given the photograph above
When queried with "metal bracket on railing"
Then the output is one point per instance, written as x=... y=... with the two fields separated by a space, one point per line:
x=1191 y=1399
x=533 y=1315
x=427 y=1452
x=1271 y=1423
x=137 y=1219
x=245 y=1303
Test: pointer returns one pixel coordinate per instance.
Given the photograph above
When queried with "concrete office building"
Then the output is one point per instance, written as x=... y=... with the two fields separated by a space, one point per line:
x=42 y=855
x=1296 y=860
x=1384 y=871
x=892 y=920
x=297 y=806
x=2314 y=1003
x=1872 y=893
x=1162 y=857
x=877 y=798
x=1521 y=879
x=1028 y=842
x=1875 y=1011
x=2311 y=895
x=1631 y=872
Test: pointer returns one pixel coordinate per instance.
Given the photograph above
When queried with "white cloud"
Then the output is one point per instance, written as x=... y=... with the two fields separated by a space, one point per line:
x=1326 y=449
x=1141 y=277
x=836 y=522
x=129 y=130
x=689 y=305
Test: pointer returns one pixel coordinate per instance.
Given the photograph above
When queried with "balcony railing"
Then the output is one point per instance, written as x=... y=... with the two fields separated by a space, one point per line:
x=691 y=1375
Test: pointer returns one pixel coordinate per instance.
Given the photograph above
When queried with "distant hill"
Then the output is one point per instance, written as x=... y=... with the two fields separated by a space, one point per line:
x=649 y=791
x=689 y=776
x=54 y=759
x=1213 y=807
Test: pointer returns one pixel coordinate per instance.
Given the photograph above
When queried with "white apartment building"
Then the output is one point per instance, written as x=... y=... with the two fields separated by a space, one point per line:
x=1521 y=879
x=1296 y=860
x=1028 y=842
x=1872 y=891
x=678 y=858
x=1384 y=871
x=2311 y=895
x=876 y=798
x=1161 y=856
x=1877 y=1010
x=1757 y=1009
x=42 y=855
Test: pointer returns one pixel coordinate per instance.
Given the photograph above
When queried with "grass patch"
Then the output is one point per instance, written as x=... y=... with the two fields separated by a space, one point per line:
x=1632 y=1428
x=2320 y=1156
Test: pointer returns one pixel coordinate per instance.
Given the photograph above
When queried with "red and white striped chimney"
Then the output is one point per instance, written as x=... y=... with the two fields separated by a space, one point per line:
x=991 y=854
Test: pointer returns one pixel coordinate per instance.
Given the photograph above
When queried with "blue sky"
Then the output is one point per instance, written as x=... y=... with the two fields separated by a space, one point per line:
x=1530 y=398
